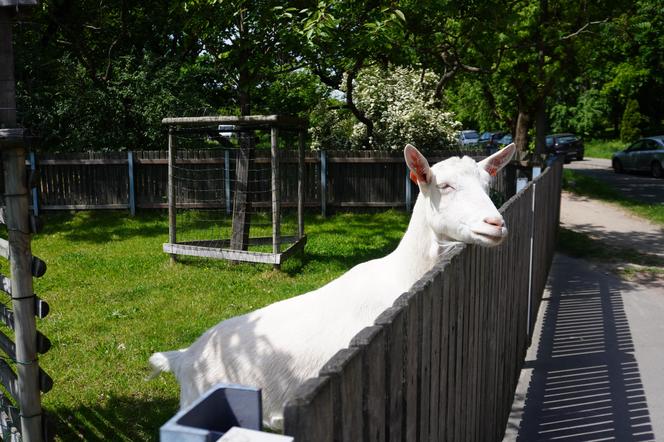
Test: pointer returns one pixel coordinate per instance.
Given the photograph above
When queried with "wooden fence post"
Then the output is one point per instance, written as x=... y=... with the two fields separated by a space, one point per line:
x=18 y=229
x=323 y=183
x=130 y=173
x=23 y=300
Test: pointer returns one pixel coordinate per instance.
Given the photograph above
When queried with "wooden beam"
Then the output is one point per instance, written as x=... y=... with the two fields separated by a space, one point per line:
x=282 y=121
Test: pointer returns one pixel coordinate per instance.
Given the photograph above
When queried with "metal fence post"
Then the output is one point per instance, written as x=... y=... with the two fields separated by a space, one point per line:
x=35 y=195
x=227 y=181
x=409 y=190
x=130 y=172
x=530 y=267
x=323 y=183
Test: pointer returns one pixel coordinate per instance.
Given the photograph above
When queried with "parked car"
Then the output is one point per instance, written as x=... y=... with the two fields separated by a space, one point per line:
x=645 y=155
x=568 y=145
x=492 y=141
x=468 y=137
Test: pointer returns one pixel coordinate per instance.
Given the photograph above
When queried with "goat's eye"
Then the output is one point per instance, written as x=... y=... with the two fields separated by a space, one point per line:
x=445 y=187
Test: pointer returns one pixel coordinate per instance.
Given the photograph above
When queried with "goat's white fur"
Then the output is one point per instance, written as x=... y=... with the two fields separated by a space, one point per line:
x=279 y=346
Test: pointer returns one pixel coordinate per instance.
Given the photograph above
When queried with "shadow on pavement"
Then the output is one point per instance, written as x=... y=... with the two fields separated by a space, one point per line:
x=585 y=382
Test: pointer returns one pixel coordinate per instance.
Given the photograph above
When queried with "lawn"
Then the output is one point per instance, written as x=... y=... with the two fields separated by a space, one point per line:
x=603 y=148
x=115 y=299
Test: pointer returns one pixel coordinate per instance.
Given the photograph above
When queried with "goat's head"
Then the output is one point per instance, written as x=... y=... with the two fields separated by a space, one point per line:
x=457 y=205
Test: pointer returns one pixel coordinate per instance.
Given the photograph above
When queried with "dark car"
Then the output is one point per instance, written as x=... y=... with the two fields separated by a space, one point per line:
x=568 y=145
x=492 y=141
x=644 y=155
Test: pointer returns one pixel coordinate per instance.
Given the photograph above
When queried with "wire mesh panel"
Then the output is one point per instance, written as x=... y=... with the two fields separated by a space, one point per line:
x=236 y=191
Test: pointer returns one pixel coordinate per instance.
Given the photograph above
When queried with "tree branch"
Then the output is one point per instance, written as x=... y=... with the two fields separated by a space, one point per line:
x=583 y=28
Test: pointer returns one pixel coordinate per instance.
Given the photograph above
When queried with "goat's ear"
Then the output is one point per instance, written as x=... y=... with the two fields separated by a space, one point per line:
x=420 y=172
x=498 y=160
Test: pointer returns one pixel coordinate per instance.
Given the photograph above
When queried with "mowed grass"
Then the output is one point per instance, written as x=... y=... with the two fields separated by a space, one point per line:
x=603 y=148
x=115 y=299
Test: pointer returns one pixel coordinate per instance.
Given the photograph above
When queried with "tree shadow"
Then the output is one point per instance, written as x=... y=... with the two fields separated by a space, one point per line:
x=98 y=227
x=119 y=418
x=585 y=382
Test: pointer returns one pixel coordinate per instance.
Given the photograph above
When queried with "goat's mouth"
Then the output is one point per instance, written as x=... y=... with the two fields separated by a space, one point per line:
x=488 y=237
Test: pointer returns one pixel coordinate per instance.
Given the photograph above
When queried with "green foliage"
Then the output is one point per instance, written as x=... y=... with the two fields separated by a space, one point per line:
x=629 y=125
x=115 y=299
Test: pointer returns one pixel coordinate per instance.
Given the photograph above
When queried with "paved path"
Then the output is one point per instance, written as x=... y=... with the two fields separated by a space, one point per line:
x=638 y=186
x=595 y=369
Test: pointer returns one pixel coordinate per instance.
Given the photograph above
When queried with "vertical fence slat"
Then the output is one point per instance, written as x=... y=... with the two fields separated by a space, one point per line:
x=371 y=342
x=308 y=416
x=393 y=321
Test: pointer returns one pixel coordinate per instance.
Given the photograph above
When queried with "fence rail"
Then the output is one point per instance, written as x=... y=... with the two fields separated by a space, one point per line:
x=139 y=179
x=443 y=362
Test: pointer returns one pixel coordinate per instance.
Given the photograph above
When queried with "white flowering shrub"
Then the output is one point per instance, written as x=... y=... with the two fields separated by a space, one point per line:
x=400 y=103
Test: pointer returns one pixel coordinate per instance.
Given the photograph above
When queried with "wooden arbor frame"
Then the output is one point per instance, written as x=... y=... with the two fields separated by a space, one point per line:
x=236 y=248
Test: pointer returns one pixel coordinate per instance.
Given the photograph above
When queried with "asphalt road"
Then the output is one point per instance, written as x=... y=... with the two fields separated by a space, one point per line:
x=637 y=186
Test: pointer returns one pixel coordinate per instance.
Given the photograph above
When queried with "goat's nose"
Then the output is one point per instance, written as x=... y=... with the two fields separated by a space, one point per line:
x=495 y=221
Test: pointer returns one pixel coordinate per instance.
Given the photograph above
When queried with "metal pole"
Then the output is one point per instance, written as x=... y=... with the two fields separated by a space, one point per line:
x=171 y=190
x=227 y=181
x=130 y=172
x=409 y=192
x=323 y=183
x=35 y=194
x=18 y=227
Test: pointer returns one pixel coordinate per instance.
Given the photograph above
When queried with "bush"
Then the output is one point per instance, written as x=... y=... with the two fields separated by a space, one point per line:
x=399 y=102
x=631 y=119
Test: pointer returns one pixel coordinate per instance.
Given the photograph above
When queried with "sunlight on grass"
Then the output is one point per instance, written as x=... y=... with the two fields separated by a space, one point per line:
x=603 y=148
x=115 y=299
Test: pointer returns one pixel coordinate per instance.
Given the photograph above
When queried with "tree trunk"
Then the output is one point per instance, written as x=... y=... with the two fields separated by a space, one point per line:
x=523 y=123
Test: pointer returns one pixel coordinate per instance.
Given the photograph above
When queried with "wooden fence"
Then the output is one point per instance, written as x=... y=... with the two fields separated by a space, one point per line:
x=443 y=362
x=139 y=179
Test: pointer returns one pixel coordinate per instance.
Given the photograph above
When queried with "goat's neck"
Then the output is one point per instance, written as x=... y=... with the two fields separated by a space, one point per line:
x=420 y=248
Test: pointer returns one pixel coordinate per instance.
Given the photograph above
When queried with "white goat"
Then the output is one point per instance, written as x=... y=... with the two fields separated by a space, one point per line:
x=279 y=346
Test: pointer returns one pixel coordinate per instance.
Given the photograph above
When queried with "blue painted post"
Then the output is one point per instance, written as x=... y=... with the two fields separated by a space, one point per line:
x=130 y=172
x=35 y=198
x=227 y=180
x=323 y=183
x=409 y=190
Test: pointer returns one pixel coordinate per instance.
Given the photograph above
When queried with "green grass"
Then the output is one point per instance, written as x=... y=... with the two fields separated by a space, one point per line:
x=581 y=184
x=603 y=148
x=115 y=299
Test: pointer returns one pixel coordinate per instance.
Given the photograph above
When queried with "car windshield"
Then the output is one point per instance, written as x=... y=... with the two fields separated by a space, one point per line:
x=470 y=135
x=567 y=139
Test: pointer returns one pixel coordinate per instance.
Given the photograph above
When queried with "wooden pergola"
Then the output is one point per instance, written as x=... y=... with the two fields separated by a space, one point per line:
x=237 y=248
